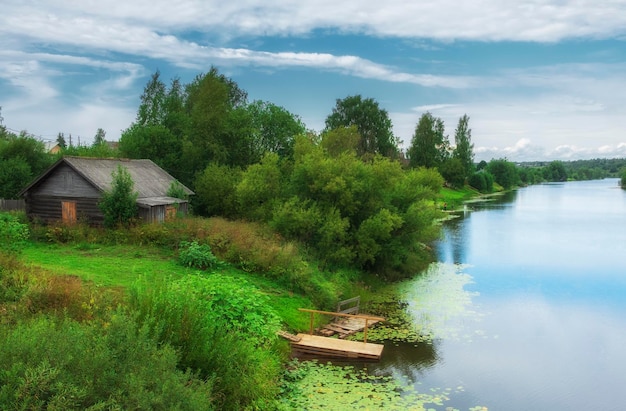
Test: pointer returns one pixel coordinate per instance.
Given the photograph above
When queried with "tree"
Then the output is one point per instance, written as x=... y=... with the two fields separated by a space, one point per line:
x=464 y=149
x=216 y=191
x=212 y=134
x=15 y=174
x=274 y=129
x=555 y=171
x=341 y=140
x=100 y=137
x=155 y=142
x=453 y=172
x=61 y=141
x=27 y=148
x=119 y=205
x=429 y=145
x=372 y=122
x=3 y=129
x=152 y=107
x=504 y=173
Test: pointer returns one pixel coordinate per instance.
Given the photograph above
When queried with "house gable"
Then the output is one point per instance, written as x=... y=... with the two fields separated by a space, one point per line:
x=63 y=181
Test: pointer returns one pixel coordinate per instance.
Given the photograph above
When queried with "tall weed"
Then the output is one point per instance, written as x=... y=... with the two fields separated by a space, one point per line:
x=62 y=364
x=222 y=328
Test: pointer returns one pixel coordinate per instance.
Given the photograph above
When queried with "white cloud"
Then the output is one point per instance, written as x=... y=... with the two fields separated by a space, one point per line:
x=484 y=20
x=567 y=110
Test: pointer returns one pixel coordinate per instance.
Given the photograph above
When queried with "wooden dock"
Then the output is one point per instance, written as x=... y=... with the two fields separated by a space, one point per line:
x=325 y=347
x=345 y=326
x=309 y=345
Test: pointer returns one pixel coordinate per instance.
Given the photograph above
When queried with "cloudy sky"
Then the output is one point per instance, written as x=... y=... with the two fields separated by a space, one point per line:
x=540 y=79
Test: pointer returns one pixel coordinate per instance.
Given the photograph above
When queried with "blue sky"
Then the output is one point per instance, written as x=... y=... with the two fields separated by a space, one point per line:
x=539 y=79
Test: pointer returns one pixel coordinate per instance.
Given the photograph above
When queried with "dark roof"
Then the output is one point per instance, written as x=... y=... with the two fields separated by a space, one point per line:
x=150 y=180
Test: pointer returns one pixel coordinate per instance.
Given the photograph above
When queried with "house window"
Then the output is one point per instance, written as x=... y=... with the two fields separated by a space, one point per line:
x=68 y=212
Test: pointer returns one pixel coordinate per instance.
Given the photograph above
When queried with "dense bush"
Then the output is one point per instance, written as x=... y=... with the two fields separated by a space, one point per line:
x=481 y=181
x=194 y=255
x=13 y=233
x=504 y=173
x=453 y=171
x=119 y=205
x=66 y=365
x=332 y=204
x=223 y=329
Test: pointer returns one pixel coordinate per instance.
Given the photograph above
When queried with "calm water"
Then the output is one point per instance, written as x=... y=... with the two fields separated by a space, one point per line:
x=536 y=319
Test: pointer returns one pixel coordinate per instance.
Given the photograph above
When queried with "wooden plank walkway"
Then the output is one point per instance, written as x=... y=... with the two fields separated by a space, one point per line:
x=318 y=346
x=346 y=326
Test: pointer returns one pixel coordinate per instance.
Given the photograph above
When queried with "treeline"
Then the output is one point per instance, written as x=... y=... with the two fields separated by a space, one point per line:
x=348 y=194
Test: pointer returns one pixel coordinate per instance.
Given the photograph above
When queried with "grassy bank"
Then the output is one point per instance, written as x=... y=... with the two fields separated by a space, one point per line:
x=118 y=308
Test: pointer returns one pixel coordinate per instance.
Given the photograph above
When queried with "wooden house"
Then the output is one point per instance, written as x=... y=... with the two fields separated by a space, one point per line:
x=71 y=189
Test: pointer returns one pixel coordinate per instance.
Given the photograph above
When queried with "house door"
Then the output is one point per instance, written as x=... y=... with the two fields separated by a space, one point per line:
x=170 y=213
x=68 y=212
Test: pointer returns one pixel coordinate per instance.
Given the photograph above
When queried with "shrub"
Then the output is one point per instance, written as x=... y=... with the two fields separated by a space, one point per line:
x=194 y=255
x=66 y=365
x=13 y=233
x=222 y=328
x=482 y=181
x=120 y=204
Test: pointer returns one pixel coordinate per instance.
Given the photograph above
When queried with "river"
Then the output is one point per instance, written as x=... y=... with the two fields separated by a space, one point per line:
x=526 y=306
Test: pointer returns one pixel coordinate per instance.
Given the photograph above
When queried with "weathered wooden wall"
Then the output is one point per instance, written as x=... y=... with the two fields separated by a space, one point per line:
x=12 y=205
x=48 y=209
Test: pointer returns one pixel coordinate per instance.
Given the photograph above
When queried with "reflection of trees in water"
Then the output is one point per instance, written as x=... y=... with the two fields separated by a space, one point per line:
x=453 y=242
x=454 y=245
x=409 y=360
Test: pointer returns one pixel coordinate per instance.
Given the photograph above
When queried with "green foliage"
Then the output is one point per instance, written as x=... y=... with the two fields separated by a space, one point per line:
x=481 y=181
x=13 y=233
x=372 y=123
x=260 y=188
x=215 y=191
x=199 y=256
x=98 y=150
x=177 y=190
x=340 y=140
x=464 y=149
x=504 y=173
x=15 y=175
x=120 y=204
x=274 y=129
x=27 y=148
x=223 y=329
x=13 y=282
x=623 y=179
x=49 y=364
x=429 y=145
x=555 y=172
x=100 y=137
x=453 y=171
x=323 y=200
x=155 y=142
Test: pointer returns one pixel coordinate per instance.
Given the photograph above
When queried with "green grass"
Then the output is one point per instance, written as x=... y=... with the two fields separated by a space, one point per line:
x=103 y=265
x=121 y=266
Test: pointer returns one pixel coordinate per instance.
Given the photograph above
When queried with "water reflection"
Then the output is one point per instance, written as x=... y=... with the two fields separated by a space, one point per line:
x=548 y=329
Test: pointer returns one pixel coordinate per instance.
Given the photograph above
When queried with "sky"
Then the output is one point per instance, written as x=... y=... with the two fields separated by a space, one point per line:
x=539 y=79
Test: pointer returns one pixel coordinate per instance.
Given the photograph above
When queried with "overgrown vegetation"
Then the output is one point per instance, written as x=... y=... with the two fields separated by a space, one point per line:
x=119 y=205
x=190 y=342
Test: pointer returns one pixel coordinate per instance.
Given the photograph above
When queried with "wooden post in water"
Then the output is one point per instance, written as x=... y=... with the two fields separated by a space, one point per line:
x=311 y=323
x=365 y=331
